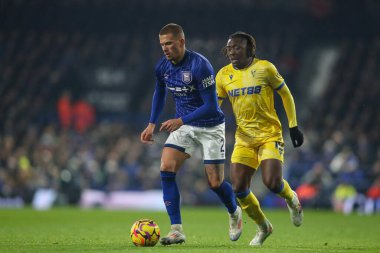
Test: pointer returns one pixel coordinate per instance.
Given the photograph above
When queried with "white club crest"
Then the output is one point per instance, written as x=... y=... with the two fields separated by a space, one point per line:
x=186 y=77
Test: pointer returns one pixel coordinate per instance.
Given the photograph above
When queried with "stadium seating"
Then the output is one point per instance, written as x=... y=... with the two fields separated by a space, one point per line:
x=98 y=49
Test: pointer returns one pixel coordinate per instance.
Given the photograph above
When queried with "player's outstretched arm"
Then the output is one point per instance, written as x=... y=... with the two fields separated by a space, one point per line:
x=290 y=108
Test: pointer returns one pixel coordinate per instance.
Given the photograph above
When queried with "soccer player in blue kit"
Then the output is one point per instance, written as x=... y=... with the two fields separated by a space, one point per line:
x=198 y=123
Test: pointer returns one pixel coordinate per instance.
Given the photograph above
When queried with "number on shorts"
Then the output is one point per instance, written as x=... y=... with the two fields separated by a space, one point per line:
x=222 y=147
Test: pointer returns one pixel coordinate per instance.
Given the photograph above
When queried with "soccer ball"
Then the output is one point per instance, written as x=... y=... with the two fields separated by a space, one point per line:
x=145 y=233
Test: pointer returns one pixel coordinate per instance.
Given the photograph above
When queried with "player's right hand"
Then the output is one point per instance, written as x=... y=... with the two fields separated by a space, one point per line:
x=147 y=135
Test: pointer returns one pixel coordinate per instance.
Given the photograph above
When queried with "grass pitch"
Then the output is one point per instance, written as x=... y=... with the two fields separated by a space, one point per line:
x=75 y=230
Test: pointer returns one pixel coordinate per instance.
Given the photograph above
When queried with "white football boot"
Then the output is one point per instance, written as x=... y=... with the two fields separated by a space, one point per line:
x=295 y=209
x=262 y=234
x=236 y=224
x=175 y=236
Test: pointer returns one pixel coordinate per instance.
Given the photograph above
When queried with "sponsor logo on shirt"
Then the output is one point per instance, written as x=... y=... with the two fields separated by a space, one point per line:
x=181 y=91
x=244 y=91
x=187 y=88
x=208 y=81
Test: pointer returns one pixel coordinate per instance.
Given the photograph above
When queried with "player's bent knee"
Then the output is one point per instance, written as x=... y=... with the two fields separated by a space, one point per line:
x=240 y=185
x=274 y=185
x=214 y=184
x=275 y=189
x=239 y=188
x=169 y=166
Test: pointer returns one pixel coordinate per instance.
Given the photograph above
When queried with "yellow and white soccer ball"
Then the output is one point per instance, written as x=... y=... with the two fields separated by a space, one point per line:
x=145 y=233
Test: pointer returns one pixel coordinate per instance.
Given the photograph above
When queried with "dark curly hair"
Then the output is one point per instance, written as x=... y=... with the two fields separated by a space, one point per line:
x=251 y=43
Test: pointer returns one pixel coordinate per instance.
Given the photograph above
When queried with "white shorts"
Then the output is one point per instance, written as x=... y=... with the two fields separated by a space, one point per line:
x=211 y=140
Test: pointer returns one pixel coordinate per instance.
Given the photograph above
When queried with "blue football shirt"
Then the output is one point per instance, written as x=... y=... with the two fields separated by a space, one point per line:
x=185 y=81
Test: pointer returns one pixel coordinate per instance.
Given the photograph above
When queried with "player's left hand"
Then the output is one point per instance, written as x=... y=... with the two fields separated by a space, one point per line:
x=171 y=125
x=296 y=135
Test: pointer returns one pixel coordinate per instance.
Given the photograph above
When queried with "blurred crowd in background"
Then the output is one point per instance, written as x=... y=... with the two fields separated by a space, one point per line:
x=77 y=77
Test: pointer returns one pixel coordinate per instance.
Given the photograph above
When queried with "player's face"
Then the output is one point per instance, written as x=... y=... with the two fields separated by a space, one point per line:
x=173 y=48
x=237 y=53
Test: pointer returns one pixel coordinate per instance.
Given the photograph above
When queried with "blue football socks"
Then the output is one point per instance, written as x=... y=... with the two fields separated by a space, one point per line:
x=171 y=196
x=227 y=196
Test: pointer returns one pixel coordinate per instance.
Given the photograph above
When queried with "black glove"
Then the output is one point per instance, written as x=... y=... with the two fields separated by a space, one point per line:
x=296 y=136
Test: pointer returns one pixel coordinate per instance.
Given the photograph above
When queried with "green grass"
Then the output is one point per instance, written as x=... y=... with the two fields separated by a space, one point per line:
x=74 y=230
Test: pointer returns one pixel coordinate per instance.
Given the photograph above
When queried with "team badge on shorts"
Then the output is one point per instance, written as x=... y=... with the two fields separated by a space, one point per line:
x=280 y=147
x=186 y=77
